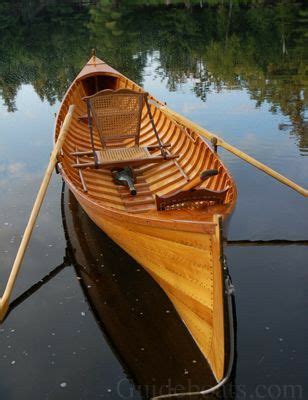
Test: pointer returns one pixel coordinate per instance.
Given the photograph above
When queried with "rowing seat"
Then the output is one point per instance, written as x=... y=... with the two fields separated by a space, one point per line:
x=117 y=116
x=128 y=153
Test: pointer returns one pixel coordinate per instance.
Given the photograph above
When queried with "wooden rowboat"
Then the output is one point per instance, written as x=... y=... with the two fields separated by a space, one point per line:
x=171 y=230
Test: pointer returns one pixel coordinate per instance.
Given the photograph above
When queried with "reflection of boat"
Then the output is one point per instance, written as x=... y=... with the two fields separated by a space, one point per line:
x=133 y=312
x=180 y=247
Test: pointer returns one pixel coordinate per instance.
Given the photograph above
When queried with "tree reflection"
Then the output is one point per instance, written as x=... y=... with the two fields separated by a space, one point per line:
x=221 y=44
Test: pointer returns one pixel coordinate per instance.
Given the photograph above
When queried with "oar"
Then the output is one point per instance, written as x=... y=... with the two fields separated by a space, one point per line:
x=217 y=141
x=4 y=301
x=34 y=288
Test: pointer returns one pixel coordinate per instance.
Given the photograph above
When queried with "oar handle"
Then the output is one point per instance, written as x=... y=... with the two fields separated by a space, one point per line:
x=131 y=187
x=200 y=178
x=4 y=301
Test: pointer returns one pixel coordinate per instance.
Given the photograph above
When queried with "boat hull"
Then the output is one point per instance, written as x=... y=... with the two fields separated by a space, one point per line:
x=134 y=314
x=187 y=266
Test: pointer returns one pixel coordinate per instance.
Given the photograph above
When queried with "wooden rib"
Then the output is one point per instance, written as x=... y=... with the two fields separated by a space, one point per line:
x=81 y=176
x=178 y=166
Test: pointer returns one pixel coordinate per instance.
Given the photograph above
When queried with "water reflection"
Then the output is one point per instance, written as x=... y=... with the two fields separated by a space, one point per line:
x=137 y=321
x=257 y=48
x=134 y=314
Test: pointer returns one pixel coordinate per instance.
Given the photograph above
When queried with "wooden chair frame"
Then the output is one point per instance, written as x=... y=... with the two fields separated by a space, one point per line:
x=143 y=98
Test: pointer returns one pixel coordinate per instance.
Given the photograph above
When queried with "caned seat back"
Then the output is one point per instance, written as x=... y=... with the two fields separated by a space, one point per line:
x=116 y=113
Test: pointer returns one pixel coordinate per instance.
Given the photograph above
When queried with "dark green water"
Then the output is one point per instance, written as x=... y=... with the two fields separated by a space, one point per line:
x=239 y=71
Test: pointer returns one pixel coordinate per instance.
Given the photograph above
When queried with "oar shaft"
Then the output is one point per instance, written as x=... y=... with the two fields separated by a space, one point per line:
x=220 y=142
x=263 y=167
x=193 y=183
x=4 y=301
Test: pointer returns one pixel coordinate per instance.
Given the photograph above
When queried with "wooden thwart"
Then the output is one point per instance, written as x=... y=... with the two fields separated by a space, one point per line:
x=4 y=301
x=123 y=163
x=90 y=152
x=220 y=142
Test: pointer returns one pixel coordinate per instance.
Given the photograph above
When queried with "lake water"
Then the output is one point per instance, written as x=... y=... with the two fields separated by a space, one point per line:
x=239 y=72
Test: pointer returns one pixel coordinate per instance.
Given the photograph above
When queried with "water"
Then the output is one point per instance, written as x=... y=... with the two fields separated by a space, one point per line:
x=242 y=75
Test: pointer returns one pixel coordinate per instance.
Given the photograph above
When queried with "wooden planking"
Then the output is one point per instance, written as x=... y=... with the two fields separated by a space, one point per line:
x=189 y=275
x=126 y=332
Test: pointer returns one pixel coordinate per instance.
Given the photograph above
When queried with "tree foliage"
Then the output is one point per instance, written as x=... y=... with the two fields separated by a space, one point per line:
x=258 y=45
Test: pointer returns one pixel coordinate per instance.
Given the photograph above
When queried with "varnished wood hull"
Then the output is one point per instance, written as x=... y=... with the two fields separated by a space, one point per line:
x=134 y=314
x=181 y=249
x=187 y=266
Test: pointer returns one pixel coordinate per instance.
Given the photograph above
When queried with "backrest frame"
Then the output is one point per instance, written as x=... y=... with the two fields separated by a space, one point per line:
x=127 y=118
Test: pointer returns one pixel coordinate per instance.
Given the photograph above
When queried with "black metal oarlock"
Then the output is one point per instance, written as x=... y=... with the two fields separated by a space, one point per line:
x=214 y=143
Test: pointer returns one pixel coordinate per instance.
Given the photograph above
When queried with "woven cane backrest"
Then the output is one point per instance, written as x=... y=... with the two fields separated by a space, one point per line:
x=117 y=113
